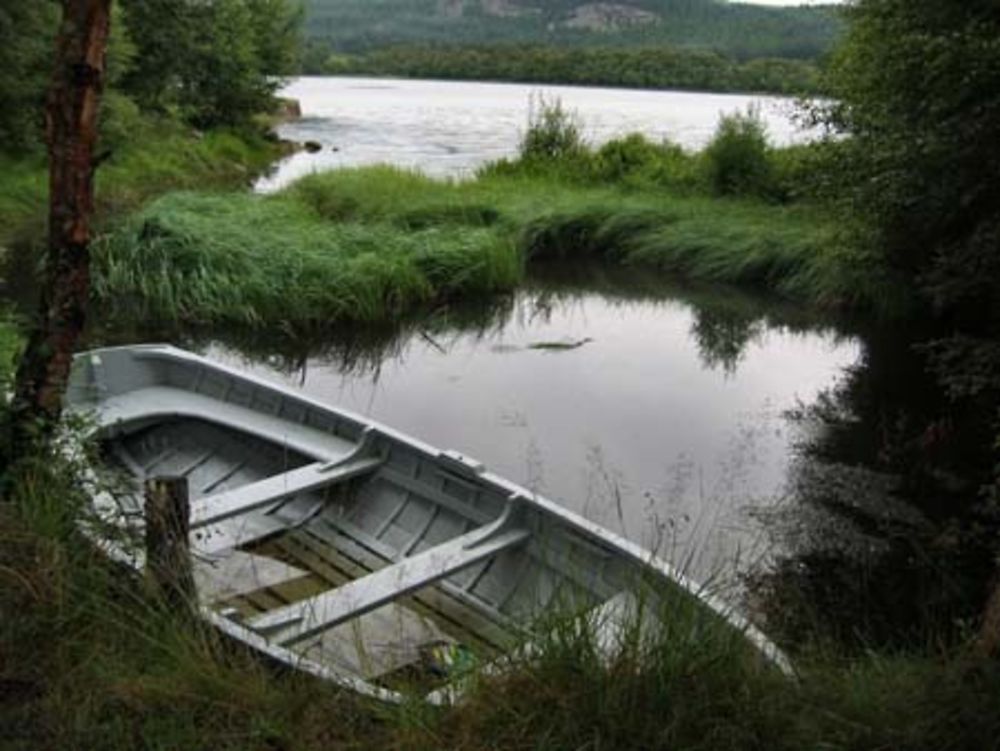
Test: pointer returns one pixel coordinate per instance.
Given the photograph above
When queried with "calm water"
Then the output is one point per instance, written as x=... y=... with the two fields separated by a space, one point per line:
x=665 y=421
x=450 y=128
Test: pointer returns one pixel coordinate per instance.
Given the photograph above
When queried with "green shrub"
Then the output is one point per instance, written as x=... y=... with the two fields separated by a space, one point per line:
x=737 y=159
x=638 y=162
x=554 y=133
x=624 y=157
x=121 y=121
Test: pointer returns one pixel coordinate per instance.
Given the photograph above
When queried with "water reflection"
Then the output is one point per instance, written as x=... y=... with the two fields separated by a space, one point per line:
x=890 y=539
x=654 y=409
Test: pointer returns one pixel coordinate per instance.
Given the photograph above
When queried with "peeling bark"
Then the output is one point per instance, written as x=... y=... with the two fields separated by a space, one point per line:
x=71 y=130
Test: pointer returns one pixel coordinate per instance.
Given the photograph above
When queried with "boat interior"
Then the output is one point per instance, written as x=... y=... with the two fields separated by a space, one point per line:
x=386 y=565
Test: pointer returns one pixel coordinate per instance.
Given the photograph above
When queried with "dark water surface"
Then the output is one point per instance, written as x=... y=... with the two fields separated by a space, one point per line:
x=656 y=410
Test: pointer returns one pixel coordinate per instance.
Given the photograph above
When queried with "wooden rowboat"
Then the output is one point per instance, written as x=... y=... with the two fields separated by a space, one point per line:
x=342 y=547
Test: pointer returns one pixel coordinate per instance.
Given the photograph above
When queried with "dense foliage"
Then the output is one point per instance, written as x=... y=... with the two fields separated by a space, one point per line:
x=209 y=63
x=736 y=29
x=27 y=33
x=917 y=176
x=639 y=67
x=215 y=62
x=918 y=86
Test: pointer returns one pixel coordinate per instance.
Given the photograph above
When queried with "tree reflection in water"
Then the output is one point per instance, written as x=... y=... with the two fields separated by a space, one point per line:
x=890 y=531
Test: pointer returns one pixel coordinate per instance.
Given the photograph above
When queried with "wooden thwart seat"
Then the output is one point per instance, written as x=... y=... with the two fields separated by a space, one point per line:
x=310 y=617
x=243 y=500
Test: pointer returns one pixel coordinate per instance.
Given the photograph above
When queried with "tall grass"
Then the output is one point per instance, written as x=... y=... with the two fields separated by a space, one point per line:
x=91 y=659
x=261 y=262
x=370 y=245
x=155 y=156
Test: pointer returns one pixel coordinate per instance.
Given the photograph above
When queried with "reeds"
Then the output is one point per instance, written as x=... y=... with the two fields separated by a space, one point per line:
x=373 y=245
x=91 y=660
x=272 y=263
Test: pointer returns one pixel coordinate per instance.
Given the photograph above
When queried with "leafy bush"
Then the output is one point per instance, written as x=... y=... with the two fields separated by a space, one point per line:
x=121 y=121
x=635 y=160
x=809 y=171
x=625 y=157
x=554 y=133
x=737 y=159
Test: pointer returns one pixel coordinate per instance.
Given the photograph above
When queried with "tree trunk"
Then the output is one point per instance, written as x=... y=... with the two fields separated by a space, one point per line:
x=71 y=131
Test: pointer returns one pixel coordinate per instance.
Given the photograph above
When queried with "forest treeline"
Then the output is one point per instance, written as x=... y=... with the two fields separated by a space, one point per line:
x=205 y=64
x=657 y=67
x=738 y=30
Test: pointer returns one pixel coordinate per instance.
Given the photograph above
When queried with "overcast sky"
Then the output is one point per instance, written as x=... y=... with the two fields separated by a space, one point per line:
x=791 y=2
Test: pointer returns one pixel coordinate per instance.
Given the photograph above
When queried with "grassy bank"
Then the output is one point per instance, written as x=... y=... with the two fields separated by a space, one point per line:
x=272 y=262
x=372 y=244
x=91 y=660
x=156 y=156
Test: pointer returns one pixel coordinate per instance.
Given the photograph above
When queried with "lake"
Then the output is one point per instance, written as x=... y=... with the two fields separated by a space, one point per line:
x=655 y=409
x=448 y=128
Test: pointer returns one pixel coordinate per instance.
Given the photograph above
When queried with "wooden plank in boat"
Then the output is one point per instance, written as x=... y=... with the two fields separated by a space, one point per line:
x=224 y=577
x=304 y=619
x=357 y=544
x=380 y=642
x=463 y=620
x=222 y=506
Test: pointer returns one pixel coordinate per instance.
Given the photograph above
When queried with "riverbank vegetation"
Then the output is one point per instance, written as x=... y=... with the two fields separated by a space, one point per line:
x=165 y=156
x=387 y=242
x=91 y=661
x=917 y=186
x=372 y=244
x=643 y=67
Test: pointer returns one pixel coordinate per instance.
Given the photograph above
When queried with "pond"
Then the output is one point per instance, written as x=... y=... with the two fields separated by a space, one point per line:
x=449 y=129
x=654 y=409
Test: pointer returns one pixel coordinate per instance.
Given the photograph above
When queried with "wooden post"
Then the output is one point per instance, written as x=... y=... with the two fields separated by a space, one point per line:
x=168 y=555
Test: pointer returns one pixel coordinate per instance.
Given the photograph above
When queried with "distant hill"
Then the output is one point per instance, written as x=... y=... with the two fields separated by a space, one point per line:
x=738 y=31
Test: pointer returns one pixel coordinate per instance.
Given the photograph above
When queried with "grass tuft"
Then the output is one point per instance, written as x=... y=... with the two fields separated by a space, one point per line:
x=265 y=262
x=90 y=659
x=372 y=245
